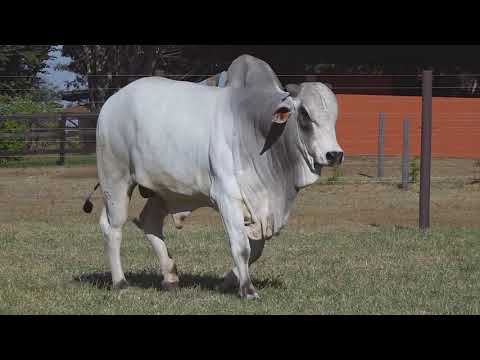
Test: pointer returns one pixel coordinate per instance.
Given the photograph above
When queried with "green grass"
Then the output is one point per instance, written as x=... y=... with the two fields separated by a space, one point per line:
x=51 y=160
x=350 y=247
x=59 y=269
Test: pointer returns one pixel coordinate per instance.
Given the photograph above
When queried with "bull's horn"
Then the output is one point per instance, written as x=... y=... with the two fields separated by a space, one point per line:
x=293 y=89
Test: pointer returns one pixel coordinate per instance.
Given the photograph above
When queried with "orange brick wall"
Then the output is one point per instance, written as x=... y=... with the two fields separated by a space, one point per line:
x=455 y=128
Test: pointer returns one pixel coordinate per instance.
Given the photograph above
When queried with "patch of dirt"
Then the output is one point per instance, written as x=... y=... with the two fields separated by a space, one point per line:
x=57 y=195
x=78 y=172
x=50 y=171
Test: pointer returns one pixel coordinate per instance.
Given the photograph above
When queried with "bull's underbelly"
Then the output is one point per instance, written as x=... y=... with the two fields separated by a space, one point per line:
x=178 y=193
x=175 y=203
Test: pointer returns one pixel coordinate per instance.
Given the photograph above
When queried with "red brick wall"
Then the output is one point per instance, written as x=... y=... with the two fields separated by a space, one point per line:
x=455 y=128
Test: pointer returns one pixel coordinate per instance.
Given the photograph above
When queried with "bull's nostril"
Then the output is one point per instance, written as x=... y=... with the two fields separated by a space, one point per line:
x=334 y=157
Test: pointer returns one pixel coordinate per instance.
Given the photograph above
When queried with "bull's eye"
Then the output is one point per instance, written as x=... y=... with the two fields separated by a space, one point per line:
x=304 y=120
x=304 y=113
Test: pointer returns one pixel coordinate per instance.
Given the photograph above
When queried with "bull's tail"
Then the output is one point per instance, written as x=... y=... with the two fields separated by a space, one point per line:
x=88 y=205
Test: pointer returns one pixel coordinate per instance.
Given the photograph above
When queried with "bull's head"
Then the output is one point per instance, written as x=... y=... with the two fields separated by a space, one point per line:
x=314 y=107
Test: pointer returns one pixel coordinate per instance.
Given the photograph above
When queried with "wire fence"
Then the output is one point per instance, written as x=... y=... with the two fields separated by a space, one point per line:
x=462 y=81
x=333 y=87
x=357 y=131
x=418 y=75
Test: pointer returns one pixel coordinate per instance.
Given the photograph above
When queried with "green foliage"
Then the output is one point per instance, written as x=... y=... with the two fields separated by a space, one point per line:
x=20 y=66
x=15 y=143
x=12 y=132
x=46 y=95
x=25 y=105
x=414 y=169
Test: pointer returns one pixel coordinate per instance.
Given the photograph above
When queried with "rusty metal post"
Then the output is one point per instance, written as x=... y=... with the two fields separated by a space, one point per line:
x=405 y=154
x=426 y=150
x=381 y=143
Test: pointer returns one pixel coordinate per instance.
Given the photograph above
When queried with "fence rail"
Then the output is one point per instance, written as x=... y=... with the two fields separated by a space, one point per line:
x=49 y=133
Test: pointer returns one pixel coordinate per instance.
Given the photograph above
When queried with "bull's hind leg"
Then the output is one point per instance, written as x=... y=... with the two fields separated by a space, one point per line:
x=151 y=221
x=113 y=217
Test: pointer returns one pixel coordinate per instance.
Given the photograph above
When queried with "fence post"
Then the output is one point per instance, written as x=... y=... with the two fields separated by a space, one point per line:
x=405 y=154
x=87 y=123
x=61 y=138
x=381 y=143
x=426 y=150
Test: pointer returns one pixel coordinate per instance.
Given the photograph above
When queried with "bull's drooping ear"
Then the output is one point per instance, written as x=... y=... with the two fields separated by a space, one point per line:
x=293 y=89
x=282 y=113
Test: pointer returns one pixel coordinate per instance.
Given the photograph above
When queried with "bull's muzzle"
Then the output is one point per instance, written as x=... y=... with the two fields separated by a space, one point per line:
x=334 y=158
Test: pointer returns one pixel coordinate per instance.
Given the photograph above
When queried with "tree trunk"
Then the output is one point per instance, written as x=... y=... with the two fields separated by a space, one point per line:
x=91 y=80
x=149 y=59
x=132 y=58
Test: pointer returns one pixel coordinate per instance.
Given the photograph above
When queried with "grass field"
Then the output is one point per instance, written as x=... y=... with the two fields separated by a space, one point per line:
x=351 y=247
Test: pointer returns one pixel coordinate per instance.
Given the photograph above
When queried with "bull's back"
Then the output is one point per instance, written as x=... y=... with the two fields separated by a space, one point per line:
x=161 y=128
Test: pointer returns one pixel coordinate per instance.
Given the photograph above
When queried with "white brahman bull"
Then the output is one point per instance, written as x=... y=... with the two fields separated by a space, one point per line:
x=245 y=151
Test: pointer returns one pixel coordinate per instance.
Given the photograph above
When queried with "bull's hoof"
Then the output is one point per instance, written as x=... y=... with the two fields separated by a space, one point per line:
x=121 y=285
x=249 y=293
x=169 y=286
x=253 y=296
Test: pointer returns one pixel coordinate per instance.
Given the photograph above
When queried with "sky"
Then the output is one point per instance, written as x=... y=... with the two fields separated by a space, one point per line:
x=56 y=77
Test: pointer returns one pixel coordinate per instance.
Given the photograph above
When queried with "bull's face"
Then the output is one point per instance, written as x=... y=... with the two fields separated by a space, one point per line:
x=313 y=107
x=317 y=110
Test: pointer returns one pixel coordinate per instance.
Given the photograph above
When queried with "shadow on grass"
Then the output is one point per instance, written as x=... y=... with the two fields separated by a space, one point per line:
x=152 y=280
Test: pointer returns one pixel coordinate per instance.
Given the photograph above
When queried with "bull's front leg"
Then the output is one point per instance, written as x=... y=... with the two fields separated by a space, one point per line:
x=230 y=279
x=232 y=217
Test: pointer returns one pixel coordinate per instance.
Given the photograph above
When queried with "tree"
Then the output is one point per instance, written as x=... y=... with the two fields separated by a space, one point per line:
x=106 y=68
x=20 y=67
